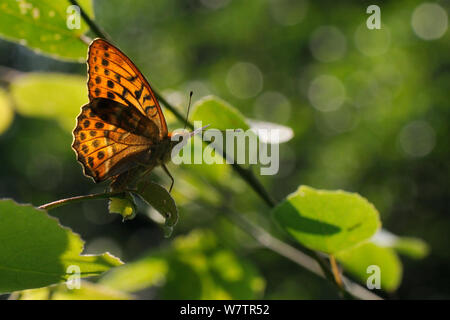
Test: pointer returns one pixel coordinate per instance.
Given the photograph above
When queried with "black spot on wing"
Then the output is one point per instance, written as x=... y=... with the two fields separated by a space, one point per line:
x=99 y=125
x=138 y=93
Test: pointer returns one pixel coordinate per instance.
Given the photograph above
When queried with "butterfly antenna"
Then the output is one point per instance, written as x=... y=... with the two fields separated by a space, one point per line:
x=189 y=107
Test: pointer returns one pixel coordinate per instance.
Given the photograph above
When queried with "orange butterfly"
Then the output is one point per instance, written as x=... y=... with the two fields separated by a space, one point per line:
x=121 y=133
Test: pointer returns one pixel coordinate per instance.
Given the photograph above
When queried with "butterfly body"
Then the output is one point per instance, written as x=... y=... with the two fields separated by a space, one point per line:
x=121 y=133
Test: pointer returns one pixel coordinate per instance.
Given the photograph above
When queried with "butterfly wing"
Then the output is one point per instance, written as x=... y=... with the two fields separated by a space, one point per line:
x=105 y=141
x=112 y=75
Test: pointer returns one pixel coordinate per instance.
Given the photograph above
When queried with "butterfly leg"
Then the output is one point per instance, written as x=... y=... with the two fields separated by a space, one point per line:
x=168 y=173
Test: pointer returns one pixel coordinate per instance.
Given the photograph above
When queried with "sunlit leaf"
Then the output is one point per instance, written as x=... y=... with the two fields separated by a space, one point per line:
x=357 y=260
x=412 y=247
x=218 y=114
x=43 y=25
x=87 y=291
x=37 y=251
x=50 y=95
x=6 y=112
x=328 y=221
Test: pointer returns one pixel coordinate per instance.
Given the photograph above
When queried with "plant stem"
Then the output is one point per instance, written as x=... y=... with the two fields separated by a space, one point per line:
x=335 y=270
x=94 y=196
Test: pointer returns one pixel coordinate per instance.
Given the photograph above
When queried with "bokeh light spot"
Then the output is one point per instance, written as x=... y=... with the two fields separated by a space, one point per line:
x=372 y=42
x=338 y=121
x=288 y=12
x=326 y=93
x=417 y=139
x=328 y=44
x=244 y=80
x=429 y=21
x=274 y=106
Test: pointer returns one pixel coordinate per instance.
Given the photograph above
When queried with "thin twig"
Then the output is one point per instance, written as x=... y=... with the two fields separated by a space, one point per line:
x=94 y=196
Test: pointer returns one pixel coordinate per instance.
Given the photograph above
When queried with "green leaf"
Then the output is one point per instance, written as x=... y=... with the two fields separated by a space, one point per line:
x=218 y=114
x=123 y=206
x=328 y=221
x=6 y=112
x=43 y=25
x=36 y=250
x=50 y=95
x=87 y=291
x=356 y=261
x=198 y=261
x=413 y=247
x=221 y=115
x=162 y=201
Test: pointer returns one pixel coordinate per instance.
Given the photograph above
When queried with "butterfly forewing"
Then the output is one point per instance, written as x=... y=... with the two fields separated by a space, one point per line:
x=113 y=76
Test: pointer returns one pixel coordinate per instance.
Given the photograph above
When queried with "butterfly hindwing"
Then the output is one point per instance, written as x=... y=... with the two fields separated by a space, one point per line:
x=113 y=76
x=103 y=148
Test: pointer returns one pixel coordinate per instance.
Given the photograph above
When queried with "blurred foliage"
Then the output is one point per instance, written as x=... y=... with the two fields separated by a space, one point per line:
x=369 y=111
x=193 y=267
x=56 y=93
x=87 y=291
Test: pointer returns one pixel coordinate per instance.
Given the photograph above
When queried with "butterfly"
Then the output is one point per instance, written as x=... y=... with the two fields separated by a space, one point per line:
x=121 y=133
